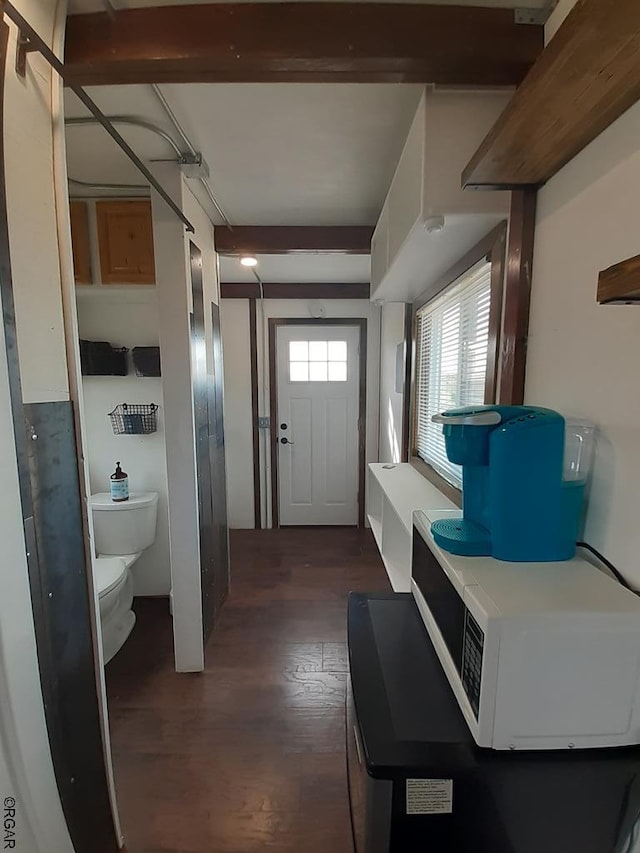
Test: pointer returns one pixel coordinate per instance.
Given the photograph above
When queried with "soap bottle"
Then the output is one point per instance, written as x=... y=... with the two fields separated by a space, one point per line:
x=119 y=485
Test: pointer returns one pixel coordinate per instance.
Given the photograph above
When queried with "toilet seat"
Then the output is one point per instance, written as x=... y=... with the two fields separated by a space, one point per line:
x=110 y=572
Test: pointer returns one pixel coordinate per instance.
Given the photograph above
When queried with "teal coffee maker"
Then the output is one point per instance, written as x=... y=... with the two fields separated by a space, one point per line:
x=523 y=477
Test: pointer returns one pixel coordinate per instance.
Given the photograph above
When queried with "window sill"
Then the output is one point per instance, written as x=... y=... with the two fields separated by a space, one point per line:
x=430 y=474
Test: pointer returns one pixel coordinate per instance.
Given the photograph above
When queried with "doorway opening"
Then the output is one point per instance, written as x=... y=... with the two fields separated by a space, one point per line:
x=317 y=382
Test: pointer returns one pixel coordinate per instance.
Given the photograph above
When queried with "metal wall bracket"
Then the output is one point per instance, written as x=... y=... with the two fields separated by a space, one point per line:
x=537 y=17
x=25 y=46
x=193 y=166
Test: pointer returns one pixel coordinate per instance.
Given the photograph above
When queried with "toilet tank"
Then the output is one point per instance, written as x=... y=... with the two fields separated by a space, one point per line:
x=127 y=527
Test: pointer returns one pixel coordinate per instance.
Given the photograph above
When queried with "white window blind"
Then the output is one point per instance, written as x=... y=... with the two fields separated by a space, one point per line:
x=452 y=346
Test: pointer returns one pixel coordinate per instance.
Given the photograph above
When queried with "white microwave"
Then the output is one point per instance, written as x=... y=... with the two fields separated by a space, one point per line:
x=538 y=655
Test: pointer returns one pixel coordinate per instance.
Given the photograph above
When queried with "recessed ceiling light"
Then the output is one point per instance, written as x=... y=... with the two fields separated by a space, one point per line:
x=249 y=261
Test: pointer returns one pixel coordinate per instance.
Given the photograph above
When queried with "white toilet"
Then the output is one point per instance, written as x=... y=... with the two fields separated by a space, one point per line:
x=122 y=532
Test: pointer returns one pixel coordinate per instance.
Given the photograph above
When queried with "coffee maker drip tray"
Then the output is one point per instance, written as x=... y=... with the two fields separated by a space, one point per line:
x=462 y=536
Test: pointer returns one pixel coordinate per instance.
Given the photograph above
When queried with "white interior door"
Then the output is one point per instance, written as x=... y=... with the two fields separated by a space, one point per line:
x=317 y=423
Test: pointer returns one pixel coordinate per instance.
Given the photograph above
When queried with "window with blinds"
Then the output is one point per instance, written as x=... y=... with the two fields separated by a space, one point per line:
x=452 y=341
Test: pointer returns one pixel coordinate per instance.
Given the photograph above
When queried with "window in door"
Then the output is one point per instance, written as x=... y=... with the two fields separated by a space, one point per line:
x=452 y=349
x=317 y=361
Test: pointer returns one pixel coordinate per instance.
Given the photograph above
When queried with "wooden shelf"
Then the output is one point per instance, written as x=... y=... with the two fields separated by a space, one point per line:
x=620 y=283
x=585 y=78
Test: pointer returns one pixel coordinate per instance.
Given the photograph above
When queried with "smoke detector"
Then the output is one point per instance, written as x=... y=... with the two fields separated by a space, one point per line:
x=434 y=224
x=317 y=310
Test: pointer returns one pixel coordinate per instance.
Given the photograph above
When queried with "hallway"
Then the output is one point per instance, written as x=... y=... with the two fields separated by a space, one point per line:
x=249 y=755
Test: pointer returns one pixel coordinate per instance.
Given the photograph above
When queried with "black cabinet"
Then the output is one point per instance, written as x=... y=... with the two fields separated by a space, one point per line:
x=418 y=782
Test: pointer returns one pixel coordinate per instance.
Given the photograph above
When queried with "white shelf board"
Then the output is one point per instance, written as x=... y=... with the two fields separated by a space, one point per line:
x=376 y=529
x=407 y=490
x=397 y=577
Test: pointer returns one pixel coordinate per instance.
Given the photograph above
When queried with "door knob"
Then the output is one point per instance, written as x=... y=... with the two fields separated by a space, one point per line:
x=285 y=440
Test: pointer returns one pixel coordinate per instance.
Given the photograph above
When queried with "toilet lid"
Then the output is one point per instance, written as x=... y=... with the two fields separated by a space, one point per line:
x=109 y=572
x=137 y=500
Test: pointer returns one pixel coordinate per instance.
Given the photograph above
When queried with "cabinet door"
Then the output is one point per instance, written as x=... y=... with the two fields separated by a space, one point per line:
x=80 y=242
x=125 y=236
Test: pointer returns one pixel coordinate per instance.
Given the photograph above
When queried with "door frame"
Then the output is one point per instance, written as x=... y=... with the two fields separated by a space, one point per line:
x=361 y=324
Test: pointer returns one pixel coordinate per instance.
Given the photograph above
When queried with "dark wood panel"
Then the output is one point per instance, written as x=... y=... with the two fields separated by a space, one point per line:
x=408 y=368
x=204 y=428
x=587 y=76
x=293 y=239
x=255 y=432
x=497 y=257
x=246 y=755
x=517 y=296
x=361 y=322
x=295 y=42
x=80 y=242
x=273 y=415
x=60 y=595
x=621 y=282
x=289 y=290
x=218 y=463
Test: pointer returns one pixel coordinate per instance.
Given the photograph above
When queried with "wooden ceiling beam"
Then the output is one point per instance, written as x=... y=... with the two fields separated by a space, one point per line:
x=288 y=290
x=294 y=239
x=301 y=42
x=586 y=77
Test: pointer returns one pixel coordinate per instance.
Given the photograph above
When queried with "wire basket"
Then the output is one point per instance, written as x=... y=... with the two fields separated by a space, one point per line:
x=134 y=419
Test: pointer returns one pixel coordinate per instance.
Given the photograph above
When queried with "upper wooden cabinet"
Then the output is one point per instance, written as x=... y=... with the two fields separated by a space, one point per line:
x=125 y=238
x=80 y=242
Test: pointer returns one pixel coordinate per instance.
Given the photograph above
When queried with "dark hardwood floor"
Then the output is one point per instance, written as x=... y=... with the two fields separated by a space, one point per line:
x=248 y=755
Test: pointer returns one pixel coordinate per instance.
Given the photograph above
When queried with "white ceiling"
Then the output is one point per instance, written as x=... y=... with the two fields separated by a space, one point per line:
x=77 y=6
x=279 y=154
x=307 y=268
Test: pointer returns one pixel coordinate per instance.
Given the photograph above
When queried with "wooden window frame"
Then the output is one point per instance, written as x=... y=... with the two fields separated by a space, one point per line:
x=492 y=247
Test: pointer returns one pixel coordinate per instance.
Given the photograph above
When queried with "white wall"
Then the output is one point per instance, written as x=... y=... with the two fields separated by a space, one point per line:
x=391 y=402
x=32 y=217
x=238 y=432
x=557 y=17
x=235 y=323
x=127 y=317
x=26 y=770
x=171 y=247
x=582 y=357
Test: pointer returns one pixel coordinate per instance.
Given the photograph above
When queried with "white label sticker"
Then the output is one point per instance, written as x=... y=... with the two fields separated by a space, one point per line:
x=429 y=796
